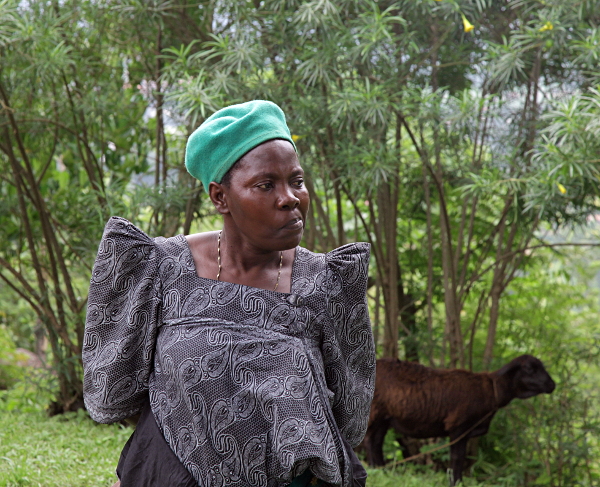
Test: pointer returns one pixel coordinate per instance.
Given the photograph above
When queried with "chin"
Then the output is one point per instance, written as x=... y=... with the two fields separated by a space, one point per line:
x=291 y=242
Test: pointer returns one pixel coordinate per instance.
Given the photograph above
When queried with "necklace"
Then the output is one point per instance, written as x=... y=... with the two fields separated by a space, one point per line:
x=219 y=261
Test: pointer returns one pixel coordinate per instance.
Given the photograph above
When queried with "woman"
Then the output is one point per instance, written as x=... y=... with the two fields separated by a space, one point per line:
x=249 y=358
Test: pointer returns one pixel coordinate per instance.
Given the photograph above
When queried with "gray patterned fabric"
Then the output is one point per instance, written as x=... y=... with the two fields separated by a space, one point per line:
x=250 y=387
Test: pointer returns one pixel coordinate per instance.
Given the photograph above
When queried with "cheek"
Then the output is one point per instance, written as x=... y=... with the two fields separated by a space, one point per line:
x=304 y=202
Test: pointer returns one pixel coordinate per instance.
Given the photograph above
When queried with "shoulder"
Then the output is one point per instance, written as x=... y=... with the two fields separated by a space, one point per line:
x=352 y=254
x=120 y=228
x=121 y=231
x=351 y=251
x=347 y=265
x=125 y=247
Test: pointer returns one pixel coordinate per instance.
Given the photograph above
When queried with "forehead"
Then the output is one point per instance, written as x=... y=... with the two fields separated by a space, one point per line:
x=274 y=156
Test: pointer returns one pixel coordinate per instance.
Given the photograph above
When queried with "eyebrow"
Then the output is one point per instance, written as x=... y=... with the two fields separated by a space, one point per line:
x=271 y=175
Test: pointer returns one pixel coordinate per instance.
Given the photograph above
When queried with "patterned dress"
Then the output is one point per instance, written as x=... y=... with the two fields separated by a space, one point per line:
x=249 y=387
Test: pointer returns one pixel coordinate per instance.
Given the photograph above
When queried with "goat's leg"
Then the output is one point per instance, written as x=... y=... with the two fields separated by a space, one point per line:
x=374 y=442
x=458 y=453
x=404 y=448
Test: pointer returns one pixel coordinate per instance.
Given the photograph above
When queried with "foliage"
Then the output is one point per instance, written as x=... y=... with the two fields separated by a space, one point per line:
x=458 y=137
x=74 y=145
x=552 y=439
x=31 y=391
x=408 y=476
x=449 y=115
x=9 y=372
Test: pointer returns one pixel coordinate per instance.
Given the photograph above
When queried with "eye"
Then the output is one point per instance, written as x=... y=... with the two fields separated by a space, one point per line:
x=299 y=183
x=268 y=185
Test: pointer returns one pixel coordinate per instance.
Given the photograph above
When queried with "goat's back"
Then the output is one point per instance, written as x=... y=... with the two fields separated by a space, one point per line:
x=426 y=402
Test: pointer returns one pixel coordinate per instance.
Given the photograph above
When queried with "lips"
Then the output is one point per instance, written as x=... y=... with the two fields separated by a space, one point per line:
x=294 y=224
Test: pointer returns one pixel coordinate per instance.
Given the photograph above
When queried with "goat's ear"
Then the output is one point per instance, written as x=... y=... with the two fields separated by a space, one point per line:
x=510 y=368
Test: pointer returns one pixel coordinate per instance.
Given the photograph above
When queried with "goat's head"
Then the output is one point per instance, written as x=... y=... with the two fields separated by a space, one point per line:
x=528 y=377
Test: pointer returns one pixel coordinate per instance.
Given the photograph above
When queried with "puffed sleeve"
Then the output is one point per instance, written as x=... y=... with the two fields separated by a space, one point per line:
x=120 y=330
x=348 y=349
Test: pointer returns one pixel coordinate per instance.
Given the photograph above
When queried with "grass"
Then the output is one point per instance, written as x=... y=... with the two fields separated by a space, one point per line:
x=73 y=451
x=67 y=451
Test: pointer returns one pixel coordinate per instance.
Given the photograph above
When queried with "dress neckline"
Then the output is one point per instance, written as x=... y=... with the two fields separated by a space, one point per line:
x=293 y=277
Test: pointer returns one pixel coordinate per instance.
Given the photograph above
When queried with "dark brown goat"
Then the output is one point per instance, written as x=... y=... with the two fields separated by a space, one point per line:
x=421 y=402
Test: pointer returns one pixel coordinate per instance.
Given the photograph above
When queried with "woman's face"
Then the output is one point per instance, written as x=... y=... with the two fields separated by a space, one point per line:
x=266 y=198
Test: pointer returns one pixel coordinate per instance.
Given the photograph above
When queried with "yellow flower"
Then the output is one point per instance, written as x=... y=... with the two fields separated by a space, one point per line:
x=467 y=25
x=561 y=188
x=296 y=138
x=547 y=26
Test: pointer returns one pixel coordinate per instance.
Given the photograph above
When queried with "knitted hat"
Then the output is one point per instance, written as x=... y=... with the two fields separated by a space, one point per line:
x=228 y=134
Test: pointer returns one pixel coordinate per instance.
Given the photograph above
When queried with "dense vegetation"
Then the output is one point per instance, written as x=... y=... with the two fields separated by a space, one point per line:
x=459 y=137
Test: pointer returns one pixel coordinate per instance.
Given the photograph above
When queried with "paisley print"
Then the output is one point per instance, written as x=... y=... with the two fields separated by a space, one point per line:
x=95 y=315
x=252 y=304
x=190 y=373
x=171 y=304
x=91 y=345
x=280 y=317
x=224 y=293
x=267 y=393
x=297 y=387
x=144 y=292
x=316 y=433
x=243 y=353
x=169 y=270
x=253 y=460
x=186 y=442
x=196 y=302
x=122 y=390
x=231 y=467
x=249 y=387
x=289 y=432
x=275 y=347
x=215 y=363
x=117 y=309
x=129 y=345
x=107 y=355
x=105 y=262
x=214 y=478
x=130 y=258
x=200 y=425
x=244 y=404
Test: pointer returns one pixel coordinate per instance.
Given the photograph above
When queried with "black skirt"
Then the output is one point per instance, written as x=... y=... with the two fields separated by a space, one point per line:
x=148 y=461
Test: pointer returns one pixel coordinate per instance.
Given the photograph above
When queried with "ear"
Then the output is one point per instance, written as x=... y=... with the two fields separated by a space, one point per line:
x=218 y=195
x=511 y=368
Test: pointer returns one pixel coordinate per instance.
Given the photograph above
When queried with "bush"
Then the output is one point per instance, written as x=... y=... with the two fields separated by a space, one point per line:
x=10 y=373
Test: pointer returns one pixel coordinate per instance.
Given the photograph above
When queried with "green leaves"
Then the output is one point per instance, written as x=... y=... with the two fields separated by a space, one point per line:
x=568 y=151
x=9 y=21
x=317 y=13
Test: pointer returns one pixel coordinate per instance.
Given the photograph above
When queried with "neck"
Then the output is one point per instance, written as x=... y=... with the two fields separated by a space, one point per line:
x=241 y=257
x=500 y=384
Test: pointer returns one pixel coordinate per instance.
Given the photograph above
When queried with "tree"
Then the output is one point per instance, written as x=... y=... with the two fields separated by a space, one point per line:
x=401 y=113
x=73 y=136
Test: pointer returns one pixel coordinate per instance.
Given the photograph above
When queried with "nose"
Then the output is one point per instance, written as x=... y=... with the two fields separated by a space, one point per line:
x=288 y=199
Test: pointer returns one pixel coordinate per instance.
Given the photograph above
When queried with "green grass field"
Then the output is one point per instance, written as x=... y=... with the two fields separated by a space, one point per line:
x=69 y=450
x=73 y=451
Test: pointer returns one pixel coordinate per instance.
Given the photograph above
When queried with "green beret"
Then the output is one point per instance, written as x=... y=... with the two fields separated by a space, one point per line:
x=228 y=134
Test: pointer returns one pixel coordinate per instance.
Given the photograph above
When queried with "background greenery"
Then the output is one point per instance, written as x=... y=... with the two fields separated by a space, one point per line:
x=459 y=137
